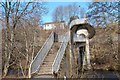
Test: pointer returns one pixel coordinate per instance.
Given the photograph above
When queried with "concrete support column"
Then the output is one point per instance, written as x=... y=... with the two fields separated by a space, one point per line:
x=70 y=56
x=84 y=58
x=87 y=53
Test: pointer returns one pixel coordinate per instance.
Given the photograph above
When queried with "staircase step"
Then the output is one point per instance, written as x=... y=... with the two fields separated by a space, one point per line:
x=45 y=72
x=44 y=76
x=51 y=56
x=47 y=62
x=46 y=67
x=48 y=71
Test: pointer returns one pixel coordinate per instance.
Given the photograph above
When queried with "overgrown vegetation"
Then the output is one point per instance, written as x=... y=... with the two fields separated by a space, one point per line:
x=104 y=48
x=25 y=49
x=102 y=13
x=25 y=15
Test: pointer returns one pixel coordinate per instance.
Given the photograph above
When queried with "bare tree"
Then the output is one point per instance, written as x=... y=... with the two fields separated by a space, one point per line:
x=102 y=13
x=58 y=14
x=55 y=15
x=82 y=12
x=30 y=41
x=63 y=13
x=12 y=13
x=75 y=9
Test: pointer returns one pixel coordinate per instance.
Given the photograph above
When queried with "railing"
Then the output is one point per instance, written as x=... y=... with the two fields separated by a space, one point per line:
x=61 y=37
x=60 y=54
x=38 y=60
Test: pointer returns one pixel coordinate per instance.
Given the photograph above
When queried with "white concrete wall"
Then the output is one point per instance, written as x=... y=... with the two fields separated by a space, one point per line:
x=48 y=26
x=82 y=31
x=53 y=26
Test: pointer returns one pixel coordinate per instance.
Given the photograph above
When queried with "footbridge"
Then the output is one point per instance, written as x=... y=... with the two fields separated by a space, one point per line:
x=48 y=59
x=46 y=63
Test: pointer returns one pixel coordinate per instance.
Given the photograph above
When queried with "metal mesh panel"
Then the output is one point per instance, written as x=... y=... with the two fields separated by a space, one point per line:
x=35 y=65
x=60 y=53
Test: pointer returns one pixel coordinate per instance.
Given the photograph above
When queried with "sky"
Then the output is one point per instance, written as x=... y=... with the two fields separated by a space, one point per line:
x=52 y=5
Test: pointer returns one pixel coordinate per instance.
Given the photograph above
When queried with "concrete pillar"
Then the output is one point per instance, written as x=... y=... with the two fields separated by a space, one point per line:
x=87 y=53
x=70 y=56
x=84 y=59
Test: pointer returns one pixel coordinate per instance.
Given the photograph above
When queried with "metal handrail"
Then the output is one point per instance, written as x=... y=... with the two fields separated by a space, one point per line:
x=60 y=54
x=39 y=58
x=61 y=37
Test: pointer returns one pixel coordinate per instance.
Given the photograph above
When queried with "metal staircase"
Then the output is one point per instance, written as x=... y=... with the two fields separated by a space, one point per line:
x=46 y=67
x=48 y=59
x=39 y=58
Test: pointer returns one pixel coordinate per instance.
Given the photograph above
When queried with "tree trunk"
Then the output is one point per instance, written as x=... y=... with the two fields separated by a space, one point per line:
x=22 y=69
x=27 y=56
x=7 y=53
x=5 y=70
x=33 y=51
